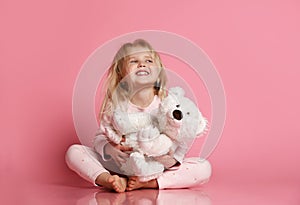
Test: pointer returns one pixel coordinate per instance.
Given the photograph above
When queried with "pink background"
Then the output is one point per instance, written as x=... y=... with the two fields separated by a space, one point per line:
x=254 y=46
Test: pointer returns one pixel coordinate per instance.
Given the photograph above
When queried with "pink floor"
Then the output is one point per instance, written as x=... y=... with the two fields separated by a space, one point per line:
x=215 y=193
x=220 y=190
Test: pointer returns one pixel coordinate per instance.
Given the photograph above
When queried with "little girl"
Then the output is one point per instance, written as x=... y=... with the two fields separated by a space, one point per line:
x=136 y=82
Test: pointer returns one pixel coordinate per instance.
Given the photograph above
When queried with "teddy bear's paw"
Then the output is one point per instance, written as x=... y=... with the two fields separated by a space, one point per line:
x=137 y=155
x=141 y=167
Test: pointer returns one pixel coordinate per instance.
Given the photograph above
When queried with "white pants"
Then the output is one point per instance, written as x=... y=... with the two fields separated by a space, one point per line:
x=89 y=165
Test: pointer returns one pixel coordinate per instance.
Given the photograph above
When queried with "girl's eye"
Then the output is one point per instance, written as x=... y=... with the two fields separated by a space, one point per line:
x=133 y=61
x=149 y=61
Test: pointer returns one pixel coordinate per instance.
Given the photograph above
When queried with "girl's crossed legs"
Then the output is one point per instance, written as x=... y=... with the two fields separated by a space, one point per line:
x=90 y=166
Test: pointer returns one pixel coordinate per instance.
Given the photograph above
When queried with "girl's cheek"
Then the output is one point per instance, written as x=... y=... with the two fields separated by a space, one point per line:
x=129 y=70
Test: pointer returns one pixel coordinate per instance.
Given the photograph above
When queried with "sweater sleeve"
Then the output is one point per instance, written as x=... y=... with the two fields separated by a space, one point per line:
x=100 y=139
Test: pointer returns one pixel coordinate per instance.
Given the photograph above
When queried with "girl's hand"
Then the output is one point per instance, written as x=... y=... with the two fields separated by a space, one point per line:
x=117 y=152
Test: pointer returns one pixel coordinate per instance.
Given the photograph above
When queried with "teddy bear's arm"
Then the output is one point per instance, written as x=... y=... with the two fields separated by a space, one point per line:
x=167 y=160
x=180 y=152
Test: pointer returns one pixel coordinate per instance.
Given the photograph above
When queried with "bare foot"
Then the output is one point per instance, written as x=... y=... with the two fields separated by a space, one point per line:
x=113 y=182
x=134 y=183
x=118 y=183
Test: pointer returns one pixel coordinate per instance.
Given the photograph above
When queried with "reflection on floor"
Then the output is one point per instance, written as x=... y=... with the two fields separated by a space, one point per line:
x=59 y=194
x=147 y=196
x=217 y=191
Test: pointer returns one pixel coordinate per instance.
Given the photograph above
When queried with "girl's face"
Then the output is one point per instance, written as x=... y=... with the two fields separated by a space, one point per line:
x=142 y=69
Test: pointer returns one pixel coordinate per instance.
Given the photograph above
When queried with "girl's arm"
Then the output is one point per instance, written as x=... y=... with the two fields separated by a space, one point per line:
x=100 y=139
x=106 y=148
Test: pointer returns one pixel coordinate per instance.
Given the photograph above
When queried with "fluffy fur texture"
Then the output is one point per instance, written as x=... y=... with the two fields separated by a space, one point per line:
x=143 y=136
x=176 y=124
x=179 y=117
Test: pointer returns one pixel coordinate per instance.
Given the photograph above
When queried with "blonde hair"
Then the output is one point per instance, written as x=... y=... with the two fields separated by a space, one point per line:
x=114 y=91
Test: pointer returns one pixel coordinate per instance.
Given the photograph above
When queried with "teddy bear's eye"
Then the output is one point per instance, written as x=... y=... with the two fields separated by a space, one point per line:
x=188 y=113
x=177 y=105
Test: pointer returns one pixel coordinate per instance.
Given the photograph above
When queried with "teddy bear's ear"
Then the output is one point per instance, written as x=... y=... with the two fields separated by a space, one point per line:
x=177 y=91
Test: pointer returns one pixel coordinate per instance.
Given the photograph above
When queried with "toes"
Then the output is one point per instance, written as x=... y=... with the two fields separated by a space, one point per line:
x=130 y=184
x=117 y=188
x=120 y=184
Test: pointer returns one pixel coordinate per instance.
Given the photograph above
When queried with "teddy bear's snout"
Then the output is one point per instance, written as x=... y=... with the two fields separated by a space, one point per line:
x=177 y=114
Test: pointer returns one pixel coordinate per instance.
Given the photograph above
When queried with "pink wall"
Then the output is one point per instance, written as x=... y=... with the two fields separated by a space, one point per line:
x=253 y=45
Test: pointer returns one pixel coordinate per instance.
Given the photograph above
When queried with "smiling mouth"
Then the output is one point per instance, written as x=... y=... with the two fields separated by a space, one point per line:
x=142 y=73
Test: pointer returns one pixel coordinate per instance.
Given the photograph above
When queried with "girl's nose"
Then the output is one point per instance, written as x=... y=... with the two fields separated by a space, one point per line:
x=141 y=64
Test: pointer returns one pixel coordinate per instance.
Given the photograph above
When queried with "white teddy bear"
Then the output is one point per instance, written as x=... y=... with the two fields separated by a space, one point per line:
x=173 y=128
x=140 y=162
x=178 y=118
